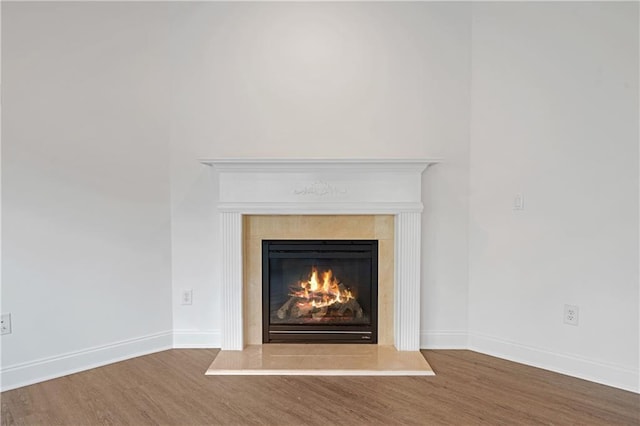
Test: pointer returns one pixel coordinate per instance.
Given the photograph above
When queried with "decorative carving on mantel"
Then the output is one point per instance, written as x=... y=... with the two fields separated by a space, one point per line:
x=320 y=188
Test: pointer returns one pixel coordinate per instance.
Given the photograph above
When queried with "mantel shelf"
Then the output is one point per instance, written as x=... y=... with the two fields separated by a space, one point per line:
x=307 y=164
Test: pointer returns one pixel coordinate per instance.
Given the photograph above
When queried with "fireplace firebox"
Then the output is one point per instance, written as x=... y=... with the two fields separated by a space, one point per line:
x=320 y=291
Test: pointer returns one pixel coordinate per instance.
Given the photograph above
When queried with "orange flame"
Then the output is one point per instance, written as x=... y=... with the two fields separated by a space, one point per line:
x=323 y=292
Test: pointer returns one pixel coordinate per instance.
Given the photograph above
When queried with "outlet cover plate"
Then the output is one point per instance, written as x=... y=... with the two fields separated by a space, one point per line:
x=571 y=313
x=5 y=324
x=186 y=297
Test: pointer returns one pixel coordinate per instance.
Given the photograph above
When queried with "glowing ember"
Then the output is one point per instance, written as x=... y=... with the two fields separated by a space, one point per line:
x=320 y=293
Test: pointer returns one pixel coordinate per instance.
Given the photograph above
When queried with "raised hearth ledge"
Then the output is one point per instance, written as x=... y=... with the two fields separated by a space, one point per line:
x=319 y=360
x=322 y=186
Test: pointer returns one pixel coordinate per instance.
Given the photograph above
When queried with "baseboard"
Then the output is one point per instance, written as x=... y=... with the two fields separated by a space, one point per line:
x=444 y=339
x=183 y=339
x=571 y=365
x=28 y=373
x=18 y=375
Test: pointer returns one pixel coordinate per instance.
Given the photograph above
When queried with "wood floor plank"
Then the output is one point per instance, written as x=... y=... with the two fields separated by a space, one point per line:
x=170 y=388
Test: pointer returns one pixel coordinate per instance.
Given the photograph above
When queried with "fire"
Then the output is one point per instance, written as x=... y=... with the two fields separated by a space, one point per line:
x=321 y=292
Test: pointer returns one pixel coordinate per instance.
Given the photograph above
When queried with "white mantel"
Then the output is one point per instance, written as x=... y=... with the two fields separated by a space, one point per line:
x=323 y=186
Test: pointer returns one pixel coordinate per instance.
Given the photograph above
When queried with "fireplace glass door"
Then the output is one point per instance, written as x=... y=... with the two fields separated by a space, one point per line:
x=320 y=291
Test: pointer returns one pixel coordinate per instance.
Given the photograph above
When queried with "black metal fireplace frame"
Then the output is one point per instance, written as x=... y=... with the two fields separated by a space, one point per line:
x=320 y=333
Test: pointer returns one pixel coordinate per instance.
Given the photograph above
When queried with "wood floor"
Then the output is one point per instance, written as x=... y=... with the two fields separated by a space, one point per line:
x=170 y=388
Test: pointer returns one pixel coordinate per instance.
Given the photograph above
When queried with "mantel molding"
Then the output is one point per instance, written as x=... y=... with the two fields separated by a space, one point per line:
x=319 y=186
x=320 y=208
x=255 y=165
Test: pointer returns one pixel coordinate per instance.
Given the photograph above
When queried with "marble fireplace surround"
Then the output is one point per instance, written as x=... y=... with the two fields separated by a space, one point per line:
x=322 y=187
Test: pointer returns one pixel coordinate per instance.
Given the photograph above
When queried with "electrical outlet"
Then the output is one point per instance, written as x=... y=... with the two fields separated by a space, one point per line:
x=571 y=314
x=187 y=297
x=5 y=324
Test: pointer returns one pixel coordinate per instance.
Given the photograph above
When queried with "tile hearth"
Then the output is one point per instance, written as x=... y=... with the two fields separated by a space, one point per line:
x=319 y=360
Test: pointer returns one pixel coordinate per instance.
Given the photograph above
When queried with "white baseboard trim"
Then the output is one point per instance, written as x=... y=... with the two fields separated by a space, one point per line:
x=444 y=339
x=18 y=375
x=571 y=365
x=184 y=339
x=28 y=373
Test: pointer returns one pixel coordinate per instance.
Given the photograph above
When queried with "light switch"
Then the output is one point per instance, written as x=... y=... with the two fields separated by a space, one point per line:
x=518 y=202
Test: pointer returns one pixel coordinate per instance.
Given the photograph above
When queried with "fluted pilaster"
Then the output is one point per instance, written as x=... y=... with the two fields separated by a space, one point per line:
x=407 y=282
x=232 y=315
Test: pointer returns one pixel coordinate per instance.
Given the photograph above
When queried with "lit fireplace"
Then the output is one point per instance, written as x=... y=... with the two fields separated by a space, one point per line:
x=324 y=299
x=320 y=291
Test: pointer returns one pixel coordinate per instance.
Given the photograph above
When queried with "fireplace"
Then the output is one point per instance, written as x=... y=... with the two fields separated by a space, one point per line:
x=322 y=291
x=319 y=187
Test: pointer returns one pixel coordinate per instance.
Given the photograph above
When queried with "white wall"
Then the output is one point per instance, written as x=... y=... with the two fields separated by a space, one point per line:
x=320 y=80
x=85 y=186
x=555 y=117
